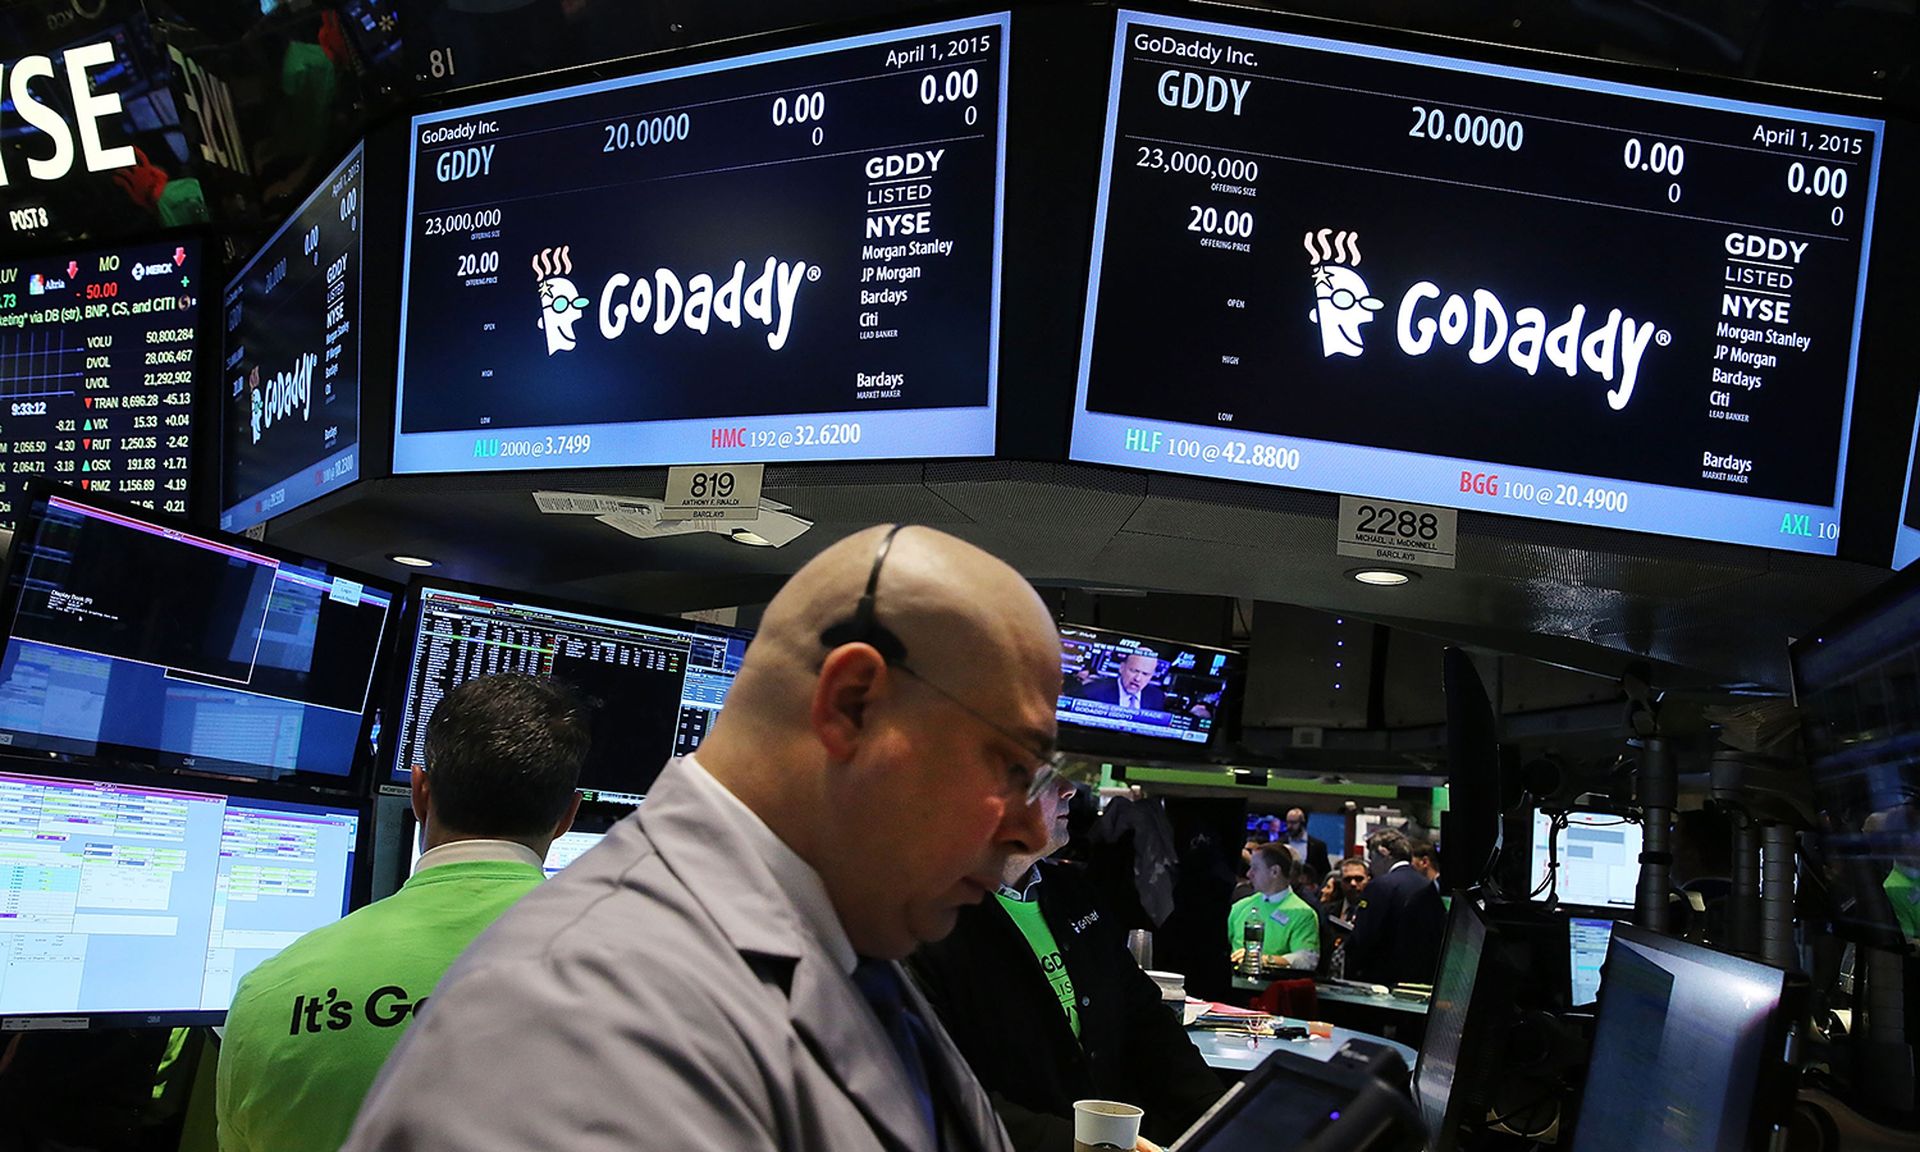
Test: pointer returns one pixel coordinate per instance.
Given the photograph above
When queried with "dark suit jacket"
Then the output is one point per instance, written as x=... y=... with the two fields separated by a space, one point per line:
x=1005 y=1018
x=1317 y=858
x=1106 y=690
x=1396 y=934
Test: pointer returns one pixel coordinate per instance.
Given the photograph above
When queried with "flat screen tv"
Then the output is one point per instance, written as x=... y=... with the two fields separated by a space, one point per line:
x=1168 y=693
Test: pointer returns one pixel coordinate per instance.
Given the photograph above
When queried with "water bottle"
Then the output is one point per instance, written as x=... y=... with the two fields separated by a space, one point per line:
x=1256 y=933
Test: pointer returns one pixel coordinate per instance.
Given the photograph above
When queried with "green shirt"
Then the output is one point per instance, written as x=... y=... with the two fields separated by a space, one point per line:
x=1904 y=895
x=1291 y=925
x=310 y=1028
x=1026 y=917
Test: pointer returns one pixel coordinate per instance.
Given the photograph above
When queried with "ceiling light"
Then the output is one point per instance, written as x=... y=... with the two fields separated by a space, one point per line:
x=750 y=538
x=1380 y=577
x=411 y=561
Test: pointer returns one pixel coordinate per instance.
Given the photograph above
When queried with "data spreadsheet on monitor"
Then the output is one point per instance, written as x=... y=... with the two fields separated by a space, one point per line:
x=1598 y=856
x=652 y=688
x=1586 y=956
x=129 y=899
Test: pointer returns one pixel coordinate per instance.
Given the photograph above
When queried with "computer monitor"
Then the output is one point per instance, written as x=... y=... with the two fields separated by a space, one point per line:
x=1599 y=858
x=1696 y=1040
x=1465 y=1026
x=654 y=684
x=1352 y=1100
x=133 y=904
x=132 y=641
x=1167 y=692
x=1856 y=680
x=1586 y=953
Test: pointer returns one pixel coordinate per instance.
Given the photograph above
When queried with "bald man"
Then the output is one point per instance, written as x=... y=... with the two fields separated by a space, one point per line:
x=721 y=973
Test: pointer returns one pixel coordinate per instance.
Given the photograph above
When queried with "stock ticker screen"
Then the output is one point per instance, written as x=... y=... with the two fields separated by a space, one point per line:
x=786 y=256
x=291 y=361
x=128 y=899
x=1501 y=289
x=652 y=689
x=96 y=367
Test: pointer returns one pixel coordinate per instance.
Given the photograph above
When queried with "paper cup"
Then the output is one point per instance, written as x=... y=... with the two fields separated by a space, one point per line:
x=1104 y=1125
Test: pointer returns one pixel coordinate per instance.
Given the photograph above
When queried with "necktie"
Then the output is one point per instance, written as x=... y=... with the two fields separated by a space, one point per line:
x=1133 y=701
x=879 y=982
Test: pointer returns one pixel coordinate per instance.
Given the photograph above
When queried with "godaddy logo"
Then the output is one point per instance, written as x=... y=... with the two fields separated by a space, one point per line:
x=1428 y=317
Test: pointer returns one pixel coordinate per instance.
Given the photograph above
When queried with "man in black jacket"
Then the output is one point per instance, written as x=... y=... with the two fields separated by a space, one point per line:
x=1397 y=931
x=1038 y=990
x=1309 y=851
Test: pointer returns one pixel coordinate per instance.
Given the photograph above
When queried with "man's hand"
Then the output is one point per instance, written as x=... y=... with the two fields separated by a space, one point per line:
x=1237 y=954
x=1145 y=1145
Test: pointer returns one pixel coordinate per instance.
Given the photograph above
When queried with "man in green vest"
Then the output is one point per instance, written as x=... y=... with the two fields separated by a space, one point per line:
x=310 y=1028
x=1291 y=928
x=1041 y=996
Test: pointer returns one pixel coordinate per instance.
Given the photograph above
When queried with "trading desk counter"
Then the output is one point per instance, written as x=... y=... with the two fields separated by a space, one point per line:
x=1354 y=1006
x=1232 y=1052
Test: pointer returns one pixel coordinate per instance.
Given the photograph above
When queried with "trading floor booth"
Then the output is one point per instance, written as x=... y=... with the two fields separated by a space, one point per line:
x=1491 y=427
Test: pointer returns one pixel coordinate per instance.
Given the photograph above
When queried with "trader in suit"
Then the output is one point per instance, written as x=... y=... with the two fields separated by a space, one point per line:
x=1309 y=851
x=1130 y=686
x=1038 y=989
x=722 y=971
x=1397 y=930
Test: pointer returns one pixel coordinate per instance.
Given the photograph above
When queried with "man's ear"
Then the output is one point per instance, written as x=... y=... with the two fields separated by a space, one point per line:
x=566 y=822
x=419 y=789
x=847 y=686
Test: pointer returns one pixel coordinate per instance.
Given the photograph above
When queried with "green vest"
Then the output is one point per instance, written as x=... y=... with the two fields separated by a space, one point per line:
x=1904 y=895
x=1026 y=917
x=1291 y=924
x=310 y=1028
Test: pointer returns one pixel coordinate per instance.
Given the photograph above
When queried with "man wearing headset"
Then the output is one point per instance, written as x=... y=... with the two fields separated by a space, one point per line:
x=722 y=972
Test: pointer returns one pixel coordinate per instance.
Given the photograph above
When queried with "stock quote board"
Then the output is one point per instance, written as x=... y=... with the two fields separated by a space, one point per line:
x=787 y=256
x=291 y=358
x=96 y=372
x=1364 y=270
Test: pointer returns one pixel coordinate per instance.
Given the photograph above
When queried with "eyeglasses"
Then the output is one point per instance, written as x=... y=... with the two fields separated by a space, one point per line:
x=1342 y=298
x=1048 y=773
x=561 y=304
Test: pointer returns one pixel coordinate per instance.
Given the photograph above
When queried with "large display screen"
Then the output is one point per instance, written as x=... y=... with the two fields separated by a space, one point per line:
x=291 y=363
x=137 y=643
x=1137 y=686
x=1385 y=273
x=92 y=142
x=653 y=688
x=788 y=256
x=96 y=367
x=130 y=899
